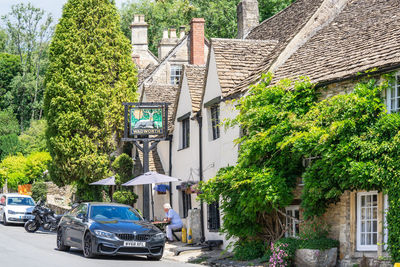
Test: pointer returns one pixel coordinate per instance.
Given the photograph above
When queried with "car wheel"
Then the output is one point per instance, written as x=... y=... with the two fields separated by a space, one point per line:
x=87 y=246
x=156 y=258
x=5 y=219
x=60 y=241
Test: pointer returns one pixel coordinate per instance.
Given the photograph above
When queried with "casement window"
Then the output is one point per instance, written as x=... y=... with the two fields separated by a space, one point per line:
x=215 y=121
x=186 y=203
x=175 y=74
x=185 y=133
x=292 y=222
x=213 y=221
x=393 y=97
x=367 y=221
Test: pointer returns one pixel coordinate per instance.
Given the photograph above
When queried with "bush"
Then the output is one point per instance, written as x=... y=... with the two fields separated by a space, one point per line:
x=319 y=243
x=39 y=191
x=125 y=197
x=314 y=228
x=249 y=249
x=288 y=245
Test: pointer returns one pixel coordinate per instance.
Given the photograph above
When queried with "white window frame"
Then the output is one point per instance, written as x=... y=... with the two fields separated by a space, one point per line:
x=395 y=96
x=385 y=229
x=292 y=209
x=358 y=241
x=173 y=76
x=215 y=121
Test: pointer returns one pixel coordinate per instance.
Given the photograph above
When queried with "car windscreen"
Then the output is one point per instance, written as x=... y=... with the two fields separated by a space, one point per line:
x=105 y=213
x=20 y=201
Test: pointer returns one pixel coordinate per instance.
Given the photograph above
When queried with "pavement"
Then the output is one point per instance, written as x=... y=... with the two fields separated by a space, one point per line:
x=19 y=248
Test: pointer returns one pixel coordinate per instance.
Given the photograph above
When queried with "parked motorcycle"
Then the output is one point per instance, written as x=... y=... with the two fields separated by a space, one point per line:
x=44 y=217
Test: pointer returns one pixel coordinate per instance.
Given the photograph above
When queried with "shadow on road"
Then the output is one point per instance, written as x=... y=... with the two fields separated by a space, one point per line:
x=78 y=253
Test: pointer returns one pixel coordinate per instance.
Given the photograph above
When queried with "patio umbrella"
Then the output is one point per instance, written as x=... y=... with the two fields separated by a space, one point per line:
x=107 y=181
x=151 y=178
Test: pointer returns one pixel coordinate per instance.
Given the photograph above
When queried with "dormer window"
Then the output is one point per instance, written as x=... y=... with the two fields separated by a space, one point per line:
x=393 y=97
x=175 y=74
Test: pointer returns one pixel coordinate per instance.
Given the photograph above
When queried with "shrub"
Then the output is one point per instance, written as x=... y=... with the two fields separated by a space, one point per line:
x=39 y=191
x=289 y=246
x=125 y=197
x=249 y=249
x=319 y=243
x=314 y=228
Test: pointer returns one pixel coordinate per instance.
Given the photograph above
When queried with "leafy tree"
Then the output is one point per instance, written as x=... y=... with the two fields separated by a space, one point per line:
x=3 y=40
x=36 y=164
x=10 y=67
x=29 y=30
x=90 y=74
x=34 y=138
x=123 y=166
x=220 y=16
x=39 y=191
x=13 y=169
x=9 y=131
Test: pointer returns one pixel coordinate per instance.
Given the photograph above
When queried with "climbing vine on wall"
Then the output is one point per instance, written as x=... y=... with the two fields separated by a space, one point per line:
x=354 y=143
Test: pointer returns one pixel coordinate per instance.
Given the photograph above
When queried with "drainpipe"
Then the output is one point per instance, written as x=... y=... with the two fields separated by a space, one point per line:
x=170 y=168
x=200 y=122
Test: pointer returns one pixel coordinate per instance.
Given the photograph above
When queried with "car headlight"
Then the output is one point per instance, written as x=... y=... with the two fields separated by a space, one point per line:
x=159 y=237
x=11 y=212
x=105 y=235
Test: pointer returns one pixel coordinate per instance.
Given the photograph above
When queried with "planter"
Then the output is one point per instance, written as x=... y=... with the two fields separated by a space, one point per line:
x=315 y=257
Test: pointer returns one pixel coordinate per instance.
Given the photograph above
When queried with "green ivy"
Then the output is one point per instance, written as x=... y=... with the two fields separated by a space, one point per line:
x=354 y=143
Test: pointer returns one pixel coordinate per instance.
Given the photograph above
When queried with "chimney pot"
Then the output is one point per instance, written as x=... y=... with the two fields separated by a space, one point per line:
x=197 y=41
x=172 y=33
x=181 y=32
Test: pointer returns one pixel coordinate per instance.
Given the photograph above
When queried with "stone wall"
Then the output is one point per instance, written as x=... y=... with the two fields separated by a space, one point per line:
x=62 y=197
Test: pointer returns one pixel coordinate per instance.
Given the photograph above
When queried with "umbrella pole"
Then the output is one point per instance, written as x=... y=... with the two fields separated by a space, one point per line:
x=152 y=202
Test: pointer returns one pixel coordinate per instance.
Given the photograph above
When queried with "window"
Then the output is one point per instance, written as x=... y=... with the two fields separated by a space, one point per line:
x=393 y=97
x=187 y=203
x=185 y=133
x=213 y=217
x=385 y=229
x=292 y=222
x=215 y=121
x=367 y=221
x=175 y=75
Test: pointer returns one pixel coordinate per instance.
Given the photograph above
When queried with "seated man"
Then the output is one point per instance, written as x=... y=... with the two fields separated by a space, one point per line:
x=173 y=218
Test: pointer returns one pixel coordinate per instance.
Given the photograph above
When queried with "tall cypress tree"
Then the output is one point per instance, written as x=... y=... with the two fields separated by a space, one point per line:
x=90 y=74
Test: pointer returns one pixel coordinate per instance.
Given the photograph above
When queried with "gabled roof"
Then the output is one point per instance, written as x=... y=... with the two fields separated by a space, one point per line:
x=235 y=59
x=365 y=35
x=161 y=93
x=144 y=73
x=195 y=78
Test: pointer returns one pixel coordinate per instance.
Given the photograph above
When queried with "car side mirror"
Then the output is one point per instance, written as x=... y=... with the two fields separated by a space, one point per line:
x=81 y=216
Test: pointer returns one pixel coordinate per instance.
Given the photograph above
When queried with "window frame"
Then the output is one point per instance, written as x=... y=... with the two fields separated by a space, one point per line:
x=215 y=115
x=292 y=232
x=186 y=203
x=358 y=231
x=175 y=72
x=213 y=217
x=389 y=98
x=185 y=133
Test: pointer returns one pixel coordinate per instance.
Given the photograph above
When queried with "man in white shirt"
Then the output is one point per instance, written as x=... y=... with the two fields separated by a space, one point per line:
x=174 y=220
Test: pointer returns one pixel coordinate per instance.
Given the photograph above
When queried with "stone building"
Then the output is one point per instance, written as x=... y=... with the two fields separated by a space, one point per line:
x=330 y=41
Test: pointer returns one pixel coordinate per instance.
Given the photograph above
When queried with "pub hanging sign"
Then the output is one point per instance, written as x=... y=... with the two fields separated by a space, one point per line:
x=145 y=119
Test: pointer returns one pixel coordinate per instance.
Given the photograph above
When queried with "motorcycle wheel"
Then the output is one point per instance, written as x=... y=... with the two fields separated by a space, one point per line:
x=31 y=226
x=60 y=241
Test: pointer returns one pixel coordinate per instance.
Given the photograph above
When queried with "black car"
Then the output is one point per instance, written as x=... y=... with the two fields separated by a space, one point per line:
x=109 y=229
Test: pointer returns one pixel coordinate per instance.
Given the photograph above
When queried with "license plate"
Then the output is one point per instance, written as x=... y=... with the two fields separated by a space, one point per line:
x=134 y=244
x=23 y=217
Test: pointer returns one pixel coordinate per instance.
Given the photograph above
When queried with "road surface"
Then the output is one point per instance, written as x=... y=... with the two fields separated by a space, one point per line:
x=19 y=248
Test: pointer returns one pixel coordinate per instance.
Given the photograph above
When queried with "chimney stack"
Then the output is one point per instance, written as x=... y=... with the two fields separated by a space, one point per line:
x=181 y=32
x=248 y=17
x=139 y=33
x=197 y=41
x=167 y=43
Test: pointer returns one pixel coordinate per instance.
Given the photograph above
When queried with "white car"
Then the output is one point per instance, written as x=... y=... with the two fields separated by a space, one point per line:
x=15 y=208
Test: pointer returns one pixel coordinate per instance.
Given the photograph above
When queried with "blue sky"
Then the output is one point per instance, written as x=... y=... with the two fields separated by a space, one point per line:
x=52 y=6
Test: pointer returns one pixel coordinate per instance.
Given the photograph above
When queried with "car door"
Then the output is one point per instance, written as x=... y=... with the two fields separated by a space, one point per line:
x=78 y=225
x=66 y=226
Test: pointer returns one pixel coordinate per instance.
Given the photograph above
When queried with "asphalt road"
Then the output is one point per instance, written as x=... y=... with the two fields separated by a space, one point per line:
x=19 y=248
